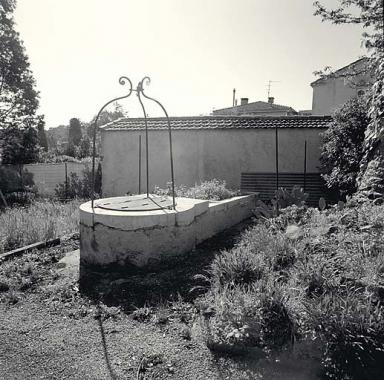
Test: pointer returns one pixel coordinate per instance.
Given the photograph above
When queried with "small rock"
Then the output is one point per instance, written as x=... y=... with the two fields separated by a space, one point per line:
x=293 y=232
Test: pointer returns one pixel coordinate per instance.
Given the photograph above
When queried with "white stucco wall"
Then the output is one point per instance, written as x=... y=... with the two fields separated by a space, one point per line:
x=331 y=93
x=202 y=155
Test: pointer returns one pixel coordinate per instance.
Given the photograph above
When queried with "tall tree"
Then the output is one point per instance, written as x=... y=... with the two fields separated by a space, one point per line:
x=20 y=146
x=342 y=147
x=18 y=97
x=43 y=141
x=74 y=137
x=371 y=17
x=106 y=117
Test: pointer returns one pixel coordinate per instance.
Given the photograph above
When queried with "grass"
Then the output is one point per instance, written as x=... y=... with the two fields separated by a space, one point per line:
x=304 y=275
x=42 y=220
x=323 y=282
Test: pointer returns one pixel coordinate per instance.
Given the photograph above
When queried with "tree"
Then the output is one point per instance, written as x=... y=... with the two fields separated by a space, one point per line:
x=85 y=147
x=18 y=97
x=342 y=146
x=43 y=142
x=74 y=137
x=371 y=176
x=20 y=146
x=106 y=117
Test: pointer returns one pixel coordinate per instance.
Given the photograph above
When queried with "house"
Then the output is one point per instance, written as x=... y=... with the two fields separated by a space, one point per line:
x=237 y=149
x=258 y=108
x=331 y=92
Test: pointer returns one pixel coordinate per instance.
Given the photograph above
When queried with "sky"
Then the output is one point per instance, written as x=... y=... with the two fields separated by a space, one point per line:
x=195 y=51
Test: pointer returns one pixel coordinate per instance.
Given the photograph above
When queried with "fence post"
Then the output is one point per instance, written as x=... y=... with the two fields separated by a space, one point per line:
x=66 y=180
x=139 y=164
x=21 y=177
x=277 y=157
x=3 y=199
x=305 y=164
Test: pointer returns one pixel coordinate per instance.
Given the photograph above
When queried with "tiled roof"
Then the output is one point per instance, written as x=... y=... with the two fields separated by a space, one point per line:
x=220 y=122
x=349 y=69
x=258 y=106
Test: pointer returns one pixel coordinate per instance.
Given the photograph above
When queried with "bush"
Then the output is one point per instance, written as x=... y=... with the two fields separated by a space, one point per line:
x=342 y=147
x=213 y=190
x=353 y=329
x=15 y=178
x=80 y=187
x=237 y=267
x=259 y=315
x=52 y=157
x=283 y=198
x=16 y=185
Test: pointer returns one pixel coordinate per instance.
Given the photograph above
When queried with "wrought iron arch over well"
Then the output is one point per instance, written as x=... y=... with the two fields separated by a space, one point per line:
x=141 y=202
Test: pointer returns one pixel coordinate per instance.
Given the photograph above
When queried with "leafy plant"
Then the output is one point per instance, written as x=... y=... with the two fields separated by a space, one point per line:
x=237 y=267
x=322 y=204
x=354 y=333
x=213 y=190
x=77 y=187
x=283 y=199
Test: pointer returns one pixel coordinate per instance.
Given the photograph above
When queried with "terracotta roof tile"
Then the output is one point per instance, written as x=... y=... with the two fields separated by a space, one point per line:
x=258 y=106
x=220 y=122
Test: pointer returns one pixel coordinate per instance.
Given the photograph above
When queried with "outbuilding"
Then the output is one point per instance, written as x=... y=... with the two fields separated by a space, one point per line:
x=254 y=153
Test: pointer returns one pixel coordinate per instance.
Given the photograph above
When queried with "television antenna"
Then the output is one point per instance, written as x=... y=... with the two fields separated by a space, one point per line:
x=269 y=86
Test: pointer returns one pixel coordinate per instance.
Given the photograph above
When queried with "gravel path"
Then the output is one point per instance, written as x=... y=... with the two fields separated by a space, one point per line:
x=49 y=330
x=38 y=344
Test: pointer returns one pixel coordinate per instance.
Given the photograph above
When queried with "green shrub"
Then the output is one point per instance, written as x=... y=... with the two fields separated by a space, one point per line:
x=282 y=199
x=293 y=215
x=213 y=190
x=236 y=317
x=275 y=250
x=77 y=187
x=285 y=198
x=17 y=185
x=279 y=324
x=342 y=146
x=261 y=315
x=353 y=329
x=237 y=267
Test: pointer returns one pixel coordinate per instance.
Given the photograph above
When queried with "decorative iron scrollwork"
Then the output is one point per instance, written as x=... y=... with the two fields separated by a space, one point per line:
x=123 y=80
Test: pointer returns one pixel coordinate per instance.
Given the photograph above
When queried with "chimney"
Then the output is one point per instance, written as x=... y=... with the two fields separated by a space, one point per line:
x=243 y=101
x=271 y=99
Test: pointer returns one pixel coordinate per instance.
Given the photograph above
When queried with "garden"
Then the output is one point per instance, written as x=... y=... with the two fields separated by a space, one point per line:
x=294 y=283
x=293 y=293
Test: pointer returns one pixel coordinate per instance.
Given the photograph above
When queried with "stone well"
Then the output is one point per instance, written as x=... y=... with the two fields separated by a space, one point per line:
x=139 y=238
